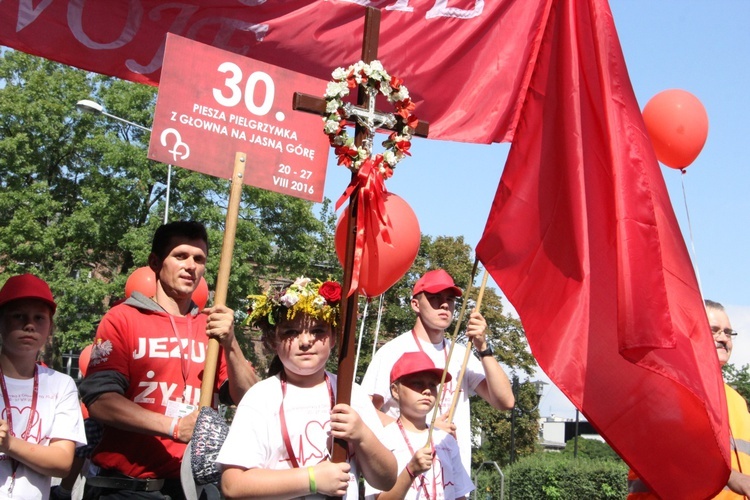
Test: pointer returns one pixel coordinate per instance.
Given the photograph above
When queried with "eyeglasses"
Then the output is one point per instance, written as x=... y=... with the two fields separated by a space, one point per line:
x=727 y=331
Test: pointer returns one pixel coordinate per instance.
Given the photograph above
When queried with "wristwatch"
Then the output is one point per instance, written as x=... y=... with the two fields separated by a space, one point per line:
x=486 y=352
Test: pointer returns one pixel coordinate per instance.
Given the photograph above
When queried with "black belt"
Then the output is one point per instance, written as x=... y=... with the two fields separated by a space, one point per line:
x=125 y=483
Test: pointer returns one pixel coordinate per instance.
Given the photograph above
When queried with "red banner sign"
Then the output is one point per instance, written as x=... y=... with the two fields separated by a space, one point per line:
x=213 y=104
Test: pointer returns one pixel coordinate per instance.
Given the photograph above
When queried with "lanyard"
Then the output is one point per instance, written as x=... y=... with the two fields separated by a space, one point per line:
x=445 y=353
x=185 y=359
x=422 y=477
x=282 y=417
x=9 y=418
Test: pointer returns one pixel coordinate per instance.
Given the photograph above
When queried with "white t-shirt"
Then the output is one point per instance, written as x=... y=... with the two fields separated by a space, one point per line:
x=377 y=380
x=57 y=416
x=446 y=480
x=255 y=439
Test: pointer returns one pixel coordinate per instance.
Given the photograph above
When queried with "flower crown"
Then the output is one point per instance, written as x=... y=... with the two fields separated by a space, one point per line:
x=318 y=299
x=376 y=80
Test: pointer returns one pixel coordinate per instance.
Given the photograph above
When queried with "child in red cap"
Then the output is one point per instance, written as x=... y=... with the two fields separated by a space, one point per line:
x=428 y=470
x=40 y=422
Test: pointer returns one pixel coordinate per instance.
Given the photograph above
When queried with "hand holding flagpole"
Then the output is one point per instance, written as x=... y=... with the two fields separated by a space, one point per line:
x=450 y=351
x=467 y=353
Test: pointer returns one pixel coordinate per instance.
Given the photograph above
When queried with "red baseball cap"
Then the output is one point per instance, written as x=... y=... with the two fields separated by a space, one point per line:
x=27 y=286
x=415 y=362
x=436 y=281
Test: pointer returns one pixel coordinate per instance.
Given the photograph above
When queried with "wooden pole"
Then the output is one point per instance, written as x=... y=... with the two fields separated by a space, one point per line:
x=349 y=307
x=441 y=388
x=222 y=280
x=467 y=353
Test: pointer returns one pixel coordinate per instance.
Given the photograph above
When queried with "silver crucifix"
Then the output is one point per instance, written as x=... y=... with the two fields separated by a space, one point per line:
x=369 y=119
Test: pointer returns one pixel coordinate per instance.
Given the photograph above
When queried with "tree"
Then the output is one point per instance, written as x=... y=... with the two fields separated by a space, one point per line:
x=80 y=200
x=738 y=378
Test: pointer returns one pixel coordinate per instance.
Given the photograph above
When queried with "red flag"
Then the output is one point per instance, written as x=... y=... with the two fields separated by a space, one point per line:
x=465 y=62
x=582 y=239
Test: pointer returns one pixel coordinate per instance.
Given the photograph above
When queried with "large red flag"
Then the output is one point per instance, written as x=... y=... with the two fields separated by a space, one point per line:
x=583 y=241
x=466 y=62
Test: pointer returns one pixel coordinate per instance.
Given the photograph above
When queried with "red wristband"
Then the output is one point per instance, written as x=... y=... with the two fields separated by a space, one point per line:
x=411 y=475
x=176 y=431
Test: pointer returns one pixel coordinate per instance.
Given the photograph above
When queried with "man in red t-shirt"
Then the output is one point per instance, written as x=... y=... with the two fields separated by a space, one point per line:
x=144 y=377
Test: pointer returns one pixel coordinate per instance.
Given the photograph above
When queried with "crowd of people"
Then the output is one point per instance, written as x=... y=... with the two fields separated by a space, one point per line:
x=143 y=381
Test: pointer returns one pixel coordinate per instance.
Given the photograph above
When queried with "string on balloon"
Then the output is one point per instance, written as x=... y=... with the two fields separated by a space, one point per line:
x=677 y=124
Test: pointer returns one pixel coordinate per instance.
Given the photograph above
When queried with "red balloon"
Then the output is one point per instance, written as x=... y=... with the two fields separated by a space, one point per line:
x=382 y=264
x=143 y=280
x=84 y=358
x=678 y=126
x=200 y=295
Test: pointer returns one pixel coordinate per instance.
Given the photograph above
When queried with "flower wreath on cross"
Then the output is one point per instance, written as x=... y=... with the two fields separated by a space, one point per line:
x=377 y=80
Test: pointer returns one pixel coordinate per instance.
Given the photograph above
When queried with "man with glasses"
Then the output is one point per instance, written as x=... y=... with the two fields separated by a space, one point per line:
x=738 y=485
x=434 y=302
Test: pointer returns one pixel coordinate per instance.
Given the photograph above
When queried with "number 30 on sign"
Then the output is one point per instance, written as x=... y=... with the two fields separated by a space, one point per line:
x=213 y=103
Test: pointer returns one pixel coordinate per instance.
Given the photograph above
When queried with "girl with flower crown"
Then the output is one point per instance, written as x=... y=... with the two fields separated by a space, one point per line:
x=281 y=437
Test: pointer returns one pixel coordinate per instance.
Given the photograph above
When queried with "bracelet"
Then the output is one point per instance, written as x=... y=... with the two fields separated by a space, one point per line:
x=311 y=477
x=175 y=428
x=411 y=474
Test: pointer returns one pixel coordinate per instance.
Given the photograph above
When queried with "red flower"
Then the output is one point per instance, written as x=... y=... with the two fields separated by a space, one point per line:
x=412 y=121
x=396 y=83
x=345 y=155
x=404 y=146
x=403 y=108
x=331 y=291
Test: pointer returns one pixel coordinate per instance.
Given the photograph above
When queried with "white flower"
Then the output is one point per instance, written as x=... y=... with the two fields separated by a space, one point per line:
x=336 y=90
x=390 y=157
x=340 y=140
x=332 y=106
x=357 y=66
x=339 y=74
x=289 y=299
x=301 y=282
x=376 y=65
x=319 y=302
x=403 y=93
x=331 y=126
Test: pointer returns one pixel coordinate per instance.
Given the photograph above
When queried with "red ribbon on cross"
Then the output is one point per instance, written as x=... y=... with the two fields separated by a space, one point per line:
x=372 y=218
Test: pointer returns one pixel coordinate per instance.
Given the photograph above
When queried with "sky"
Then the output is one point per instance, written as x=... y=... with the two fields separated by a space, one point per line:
x=694 y=45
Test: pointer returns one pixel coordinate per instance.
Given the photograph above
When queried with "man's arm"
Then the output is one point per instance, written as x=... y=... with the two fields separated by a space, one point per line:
x=739 y=483
x=103 y=394
x=115 y=410
x=495 y=388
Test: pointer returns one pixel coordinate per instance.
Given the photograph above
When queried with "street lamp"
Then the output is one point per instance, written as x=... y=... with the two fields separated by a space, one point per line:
x=89 y=106
x=518 y=409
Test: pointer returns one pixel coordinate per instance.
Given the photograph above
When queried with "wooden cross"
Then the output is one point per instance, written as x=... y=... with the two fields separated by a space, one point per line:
x=368 y=120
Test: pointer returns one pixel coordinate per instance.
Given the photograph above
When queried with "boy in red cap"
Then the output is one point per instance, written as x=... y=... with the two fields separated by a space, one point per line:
x=427 y=470
x=40 y=421
x=434 y=301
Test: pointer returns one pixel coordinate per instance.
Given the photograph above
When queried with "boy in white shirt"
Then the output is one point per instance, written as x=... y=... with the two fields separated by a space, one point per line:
x=427 y=469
